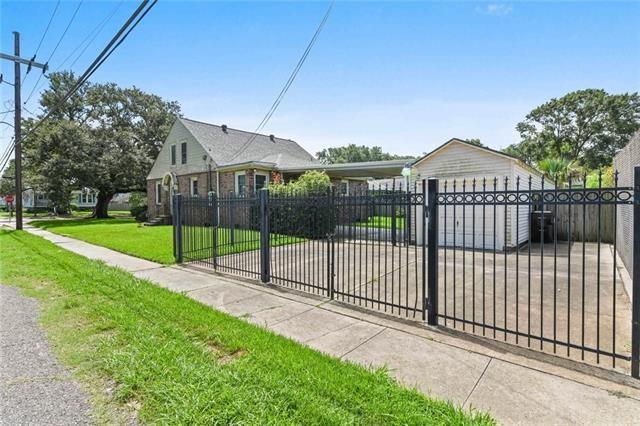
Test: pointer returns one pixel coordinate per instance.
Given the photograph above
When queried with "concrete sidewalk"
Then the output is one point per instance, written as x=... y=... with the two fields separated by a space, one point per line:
x=512 y=387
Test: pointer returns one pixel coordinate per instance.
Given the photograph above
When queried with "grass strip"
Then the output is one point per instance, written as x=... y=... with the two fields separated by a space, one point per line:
x=153 y=243
x=177 y=361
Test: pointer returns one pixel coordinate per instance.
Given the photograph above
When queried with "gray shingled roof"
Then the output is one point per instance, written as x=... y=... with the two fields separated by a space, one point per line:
x=224 y=147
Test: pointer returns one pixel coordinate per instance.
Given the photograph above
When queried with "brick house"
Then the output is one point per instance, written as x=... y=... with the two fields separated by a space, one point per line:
x=197 y=158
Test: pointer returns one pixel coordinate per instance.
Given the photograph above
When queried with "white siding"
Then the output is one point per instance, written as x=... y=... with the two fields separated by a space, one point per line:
x=195 y=152
x=463 y=163
x=523 y=223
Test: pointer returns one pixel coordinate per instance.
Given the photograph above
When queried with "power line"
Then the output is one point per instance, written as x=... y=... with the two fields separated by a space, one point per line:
x=73 y=17
x=287 y=85
x=95 y=32
x=44 y=34
x=99 y=29
x=116 y=41
x=6 y=156
x=46 y=29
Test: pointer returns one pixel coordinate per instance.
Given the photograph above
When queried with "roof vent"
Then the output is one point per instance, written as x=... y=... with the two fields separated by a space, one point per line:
x=224 y=128
x=273 y=138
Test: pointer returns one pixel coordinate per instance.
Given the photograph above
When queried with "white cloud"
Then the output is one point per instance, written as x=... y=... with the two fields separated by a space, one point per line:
x=495 y=9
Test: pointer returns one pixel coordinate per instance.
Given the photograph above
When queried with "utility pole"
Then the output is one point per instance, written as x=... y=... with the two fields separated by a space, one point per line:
x=17 y=128
x=17 y=60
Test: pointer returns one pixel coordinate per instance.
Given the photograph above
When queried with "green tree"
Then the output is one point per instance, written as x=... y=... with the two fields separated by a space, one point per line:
x=587 y=126
x=353 y=153
x=7 y=180
x=104 y=137
x=558 y=170
x=474 y=141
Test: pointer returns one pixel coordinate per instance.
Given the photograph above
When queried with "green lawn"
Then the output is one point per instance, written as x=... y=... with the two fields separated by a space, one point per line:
x=153 y=243
x=174 y=360
x=381 y=222
x=74 y=213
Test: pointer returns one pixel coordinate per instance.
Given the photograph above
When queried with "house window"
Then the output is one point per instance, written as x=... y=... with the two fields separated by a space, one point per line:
x=87 y=198
x=194 y=186
x=183 y=152
x=159 y=193
x=262 y=180
x=241 y=183
x=173 y=155
x=344 y=187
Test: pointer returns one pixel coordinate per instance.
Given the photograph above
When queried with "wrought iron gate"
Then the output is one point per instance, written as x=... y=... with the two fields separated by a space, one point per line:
x=359 y=248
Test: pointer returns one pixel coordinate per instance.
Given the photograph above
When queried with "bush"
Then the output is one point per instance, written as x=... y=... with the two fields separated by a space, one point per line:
x=138 y=209
x=310 y=183
x=138 y=199
x=302 y=208
x=302 y=216
x=139 y=213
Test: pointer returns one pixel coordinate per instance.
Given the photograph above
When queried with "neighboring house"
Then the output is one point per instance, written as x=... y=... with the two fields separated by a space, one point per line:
x=197 y=158
x=32 y=199
x=624 y=162
x=84 y=199
x=87 y=199
x=458 y=160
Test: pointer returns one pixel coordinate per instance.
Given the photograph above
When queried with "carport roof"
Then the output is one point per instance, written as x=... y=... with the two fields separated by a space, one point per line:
x=386 y=168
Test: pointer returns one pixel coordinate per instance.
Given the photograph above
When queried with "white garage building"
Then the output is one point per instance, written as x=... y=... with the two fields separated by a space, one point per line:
x=459 y=160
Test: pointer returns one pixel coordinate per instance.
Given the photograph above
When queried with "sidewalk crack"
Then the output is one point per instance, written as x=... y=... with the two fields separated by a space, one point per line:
x=477 y=381
x=363 y=342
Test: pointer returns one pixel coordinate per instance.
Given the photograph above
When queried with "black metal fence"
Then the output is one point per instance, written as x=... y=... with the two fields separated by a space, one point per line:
x=496 y=258
x=505 y=273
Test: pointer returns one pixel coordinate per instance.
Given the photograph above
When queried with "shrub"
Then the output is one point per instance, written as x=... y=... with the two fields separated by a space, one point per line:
x=138 y=209
x=139 y=213
x=302 y=208
x=311 y=182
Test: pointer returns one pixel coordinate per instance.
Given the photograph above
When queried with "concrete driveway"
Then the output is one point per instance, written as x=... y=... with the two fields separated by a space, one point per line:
x=557 y=295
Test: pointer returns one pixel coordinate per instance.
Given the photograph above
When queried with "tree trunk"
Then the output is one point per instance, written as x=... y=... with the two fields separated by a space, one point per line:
x=102 y=205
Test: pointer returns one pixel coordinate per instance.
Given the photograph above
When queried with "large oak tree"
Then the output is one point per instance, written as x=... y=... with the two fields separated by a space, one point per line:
x=587 y=127
x=104 y=137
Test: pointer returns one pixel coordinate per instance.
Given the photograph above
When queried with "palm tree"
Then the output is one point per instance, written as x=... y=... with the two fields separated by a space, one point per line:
x=558 y=169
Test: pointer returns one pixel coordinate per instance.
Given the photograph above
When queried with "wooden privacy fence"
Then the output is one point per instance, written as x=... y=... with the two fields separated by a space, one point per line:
x=584 y=220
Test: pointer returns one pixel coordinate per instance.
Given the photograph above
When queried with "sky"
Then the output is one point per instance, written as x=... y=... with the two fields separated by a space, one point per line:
x=403 y=76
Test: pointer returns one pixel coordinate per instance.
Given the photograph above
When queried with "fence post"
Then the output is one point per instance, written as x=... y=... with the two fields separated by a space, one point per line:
x=213 y=202
x=432 y=252
x=232 y=225
x=393 y=218
x=423 y=242
x=177 y=226
x=265 y=273
x=635 y=312
x=332 y=242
